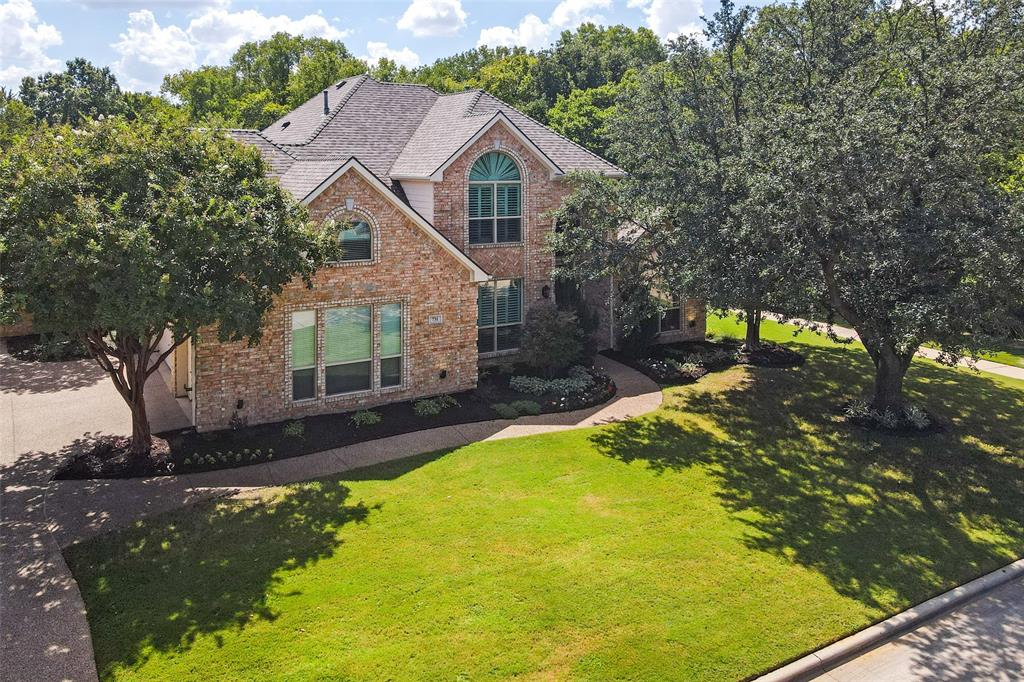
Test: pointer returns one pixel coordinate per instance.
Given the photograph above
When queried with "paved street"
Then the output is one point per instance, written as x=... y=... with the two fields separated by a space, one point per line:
x=982 y=640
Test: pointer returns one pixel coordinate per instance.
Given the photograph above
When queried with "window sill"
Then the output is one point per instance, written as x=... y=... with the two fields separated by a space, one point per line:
x=349 y=263
x=337 y=397
x=496 y=245
x=497 y=353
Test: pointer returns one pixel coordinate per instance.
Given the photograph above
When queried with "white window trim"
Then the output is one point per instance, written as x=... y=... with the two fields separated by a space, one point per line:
x=375 y=389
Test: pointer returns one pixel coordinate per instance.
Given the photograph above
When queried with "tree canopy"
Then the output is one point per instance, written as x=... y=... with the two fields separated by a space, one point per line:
x=117 y=232
x=843 y=156
x=80 y=91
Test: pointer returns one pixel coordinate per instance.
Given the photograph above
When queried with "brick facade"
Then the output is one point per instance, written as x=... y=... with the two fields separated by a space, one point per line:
x=530 y=259
x=410 y=268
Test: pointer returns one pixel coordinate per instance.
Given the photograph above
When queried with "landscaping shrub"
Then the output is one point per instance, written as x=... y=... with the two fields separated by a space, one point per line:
x=552 y=340
x=910 y=418
x=505 y=411
x=528 y=407
x=294 y=429
x=428 y=407
x=365 y=418
x=46 y=348
x=578 y=381
x=431 y=407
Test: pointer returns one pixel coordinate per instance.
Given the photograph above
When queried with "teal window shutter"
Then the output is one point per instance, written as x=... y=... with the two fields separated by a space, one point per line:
x=508 y=200
x=485 y=305
x=391 y=329
x=347 y=335
x=303 y=339
x=494 y=167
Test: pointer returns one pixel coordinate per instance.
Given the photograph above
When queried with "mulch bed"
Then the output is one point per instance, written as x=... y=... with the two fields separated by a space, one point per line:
x=662 y=362
x=905 y=429
x=770 y=354
x=245 y=445
x=39 y=348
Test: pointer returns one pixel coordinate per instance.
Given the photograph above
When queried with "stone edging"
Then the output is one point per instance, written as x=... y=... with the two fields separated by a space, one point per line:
x=833 y=655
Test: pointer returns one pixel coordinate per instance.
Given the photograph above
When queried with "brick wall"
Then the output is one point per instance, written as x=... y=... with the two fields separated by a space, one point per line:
x=410 y=267
x=542 y=194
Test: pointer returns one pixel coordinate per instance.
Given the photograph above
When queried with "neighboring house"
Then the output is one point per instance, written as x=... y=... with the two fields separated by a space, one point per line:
x=443 y=205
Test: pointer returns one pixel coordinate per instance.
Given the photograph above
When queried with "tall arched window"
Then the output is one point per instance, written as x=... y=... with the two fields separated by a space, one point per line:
x=495 y=200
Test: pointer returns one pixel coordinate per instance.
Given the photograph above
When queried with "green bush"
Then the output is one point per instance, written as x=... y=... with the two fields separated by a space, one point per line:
x=526 y=407
x=431 y=407
x=294 y=429
x=428 y=407
x=578 y=381
x=552 y=339
x=505 y=411
x=366 y=418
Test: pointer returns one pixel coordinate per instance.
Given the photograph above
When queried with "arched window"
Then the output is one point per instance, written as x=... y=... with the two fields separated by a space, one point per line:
x=356 y=239
x=495 y=200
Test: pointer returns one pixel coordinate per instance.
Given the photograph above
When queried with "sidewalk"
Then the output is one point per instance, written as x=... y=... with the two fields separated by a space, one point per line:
x=932 y=354
x=45 y=632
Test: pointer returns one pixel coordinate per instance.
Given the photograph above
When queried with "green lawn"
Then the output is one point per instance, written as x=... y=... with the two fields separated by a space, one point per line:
x=1010 y=352
x=735 y=528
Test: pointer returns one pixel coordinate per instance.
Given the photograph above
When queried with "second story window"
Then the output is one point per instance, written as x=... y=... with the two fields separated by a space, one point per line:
x=356 y=239
x=495 y=200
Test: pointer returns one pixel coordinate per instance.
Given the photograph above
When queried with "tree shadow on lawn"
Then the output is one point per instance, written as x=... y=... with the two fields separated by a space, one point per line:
x=888 y=520
x=230 y=553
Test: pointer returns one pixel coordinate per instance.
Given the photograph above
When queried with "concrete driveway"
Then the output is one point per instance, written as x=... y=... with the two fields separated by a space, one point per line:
x=981 y=640
x=47 y=410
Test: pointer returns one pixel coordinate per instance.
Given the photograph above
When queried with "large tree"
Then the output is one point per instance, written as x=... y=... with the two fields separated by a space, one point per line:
x=880 y=162
x=120 y=232
x=80 y=91
x=678 y=130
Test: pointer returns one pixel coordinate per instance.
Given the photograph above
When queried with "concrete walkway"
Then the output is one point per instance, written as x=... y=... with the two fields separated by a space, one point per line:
x=981 y=640
x=933 y=354
x=42 y=617
x=44 y=407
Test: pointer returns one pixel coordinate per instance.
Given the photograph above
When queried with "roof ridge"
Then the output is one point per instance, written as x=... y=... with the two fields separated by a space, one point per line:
x=528 y=117
x=259 y=133
x=409 y=85
x=362 y=78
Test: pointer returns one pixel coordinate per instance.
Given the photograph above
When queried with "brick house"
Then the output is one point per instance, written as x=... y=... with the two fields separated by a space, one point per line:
x=443 y=205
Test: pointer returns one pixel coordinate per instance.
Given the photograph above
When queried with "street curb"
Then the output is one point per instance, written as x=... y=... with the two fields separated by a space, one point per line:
x=829 y=657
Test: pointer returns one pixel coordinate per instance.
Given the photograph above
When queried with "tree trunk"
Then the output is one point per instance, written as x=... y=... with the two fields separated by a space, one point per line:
x=890 y=368
x=753 y=339
x=142 y=436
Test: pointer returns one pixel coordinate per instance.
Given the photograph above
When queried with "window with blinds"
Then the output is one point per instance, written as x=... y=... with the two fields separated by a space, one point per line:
x=356 y=240
x=499 y=315
x=495 y=200
x=303 y=354
x=391 y=345
x=348 y=350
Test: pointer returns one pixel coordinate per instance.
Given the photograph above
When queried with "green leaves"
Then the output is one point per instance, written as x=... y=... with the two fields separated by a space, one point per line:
x=148 y=227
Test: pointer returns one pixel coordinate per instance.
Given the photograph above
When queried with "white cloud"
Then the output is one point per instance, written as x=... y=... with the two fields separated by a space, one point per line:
x=533 y=33
x=433 y=18
x=670 y=19
x=404 y=57
x=148 y=51
x=219 y=32
x=24 y=40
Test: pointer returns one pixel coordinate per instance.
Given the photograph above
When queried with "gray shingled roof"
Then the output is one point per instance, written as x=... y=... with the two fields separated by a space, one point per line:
x=278 y=159
x=395 y=130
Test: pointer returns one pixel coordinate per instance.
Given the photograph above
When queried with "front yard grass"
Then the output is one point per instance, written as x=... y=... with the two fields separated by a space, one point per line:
x=735 y=528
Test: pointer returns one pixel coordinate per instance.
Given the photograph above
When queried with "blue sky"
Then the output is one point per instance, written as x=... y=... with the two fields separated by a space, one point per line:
x=141 y=40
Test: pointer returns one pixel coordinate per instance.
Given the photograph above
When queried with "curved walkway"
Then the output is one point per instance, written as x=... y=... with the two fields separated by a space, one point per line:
x=42 y=616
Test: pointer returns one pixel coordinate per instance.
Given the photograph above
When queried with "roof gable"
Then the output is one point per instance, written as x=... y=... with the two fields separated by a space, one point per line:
x=353 y=165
